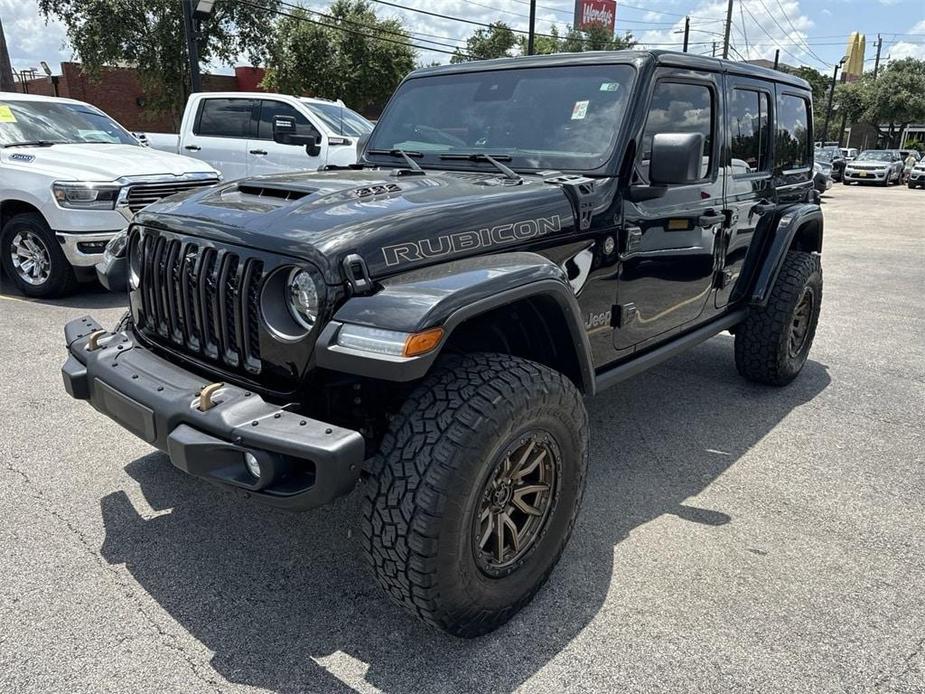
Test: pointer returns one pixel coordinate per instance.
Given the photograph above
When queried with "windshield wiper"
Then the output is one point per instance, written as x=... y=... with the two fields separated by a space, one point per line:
x=33 y=143
x=494 y=161
x=412 y=164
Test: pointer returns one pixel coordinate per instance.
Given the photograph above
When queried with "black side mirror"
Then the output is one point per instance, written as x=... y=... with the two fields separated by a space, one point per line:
x=284 y=133
x=677 y=158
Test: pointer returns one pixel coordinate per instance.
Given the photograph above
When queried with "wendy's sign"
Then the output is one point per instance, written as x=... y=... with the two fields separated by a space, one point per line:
x=588 y=12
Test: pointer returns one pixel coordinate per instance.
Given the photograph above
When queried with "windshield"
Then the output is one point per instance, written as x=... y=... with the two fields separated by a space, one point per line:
x=875 y=155
x=556 y=117
x=57 y=122
x=825 y=155
x=340 y=119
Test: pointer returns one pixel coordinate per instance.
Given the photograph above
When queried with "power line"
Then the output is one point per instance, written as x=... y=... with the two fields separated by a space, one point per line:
x=795 y=32
x=779 y=44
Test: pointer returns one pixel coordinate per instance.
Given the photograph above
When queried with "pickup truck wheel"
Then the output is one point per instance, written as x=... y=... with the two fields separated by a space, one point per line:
x=772 y=343
x=474 y=492
x=33 y=259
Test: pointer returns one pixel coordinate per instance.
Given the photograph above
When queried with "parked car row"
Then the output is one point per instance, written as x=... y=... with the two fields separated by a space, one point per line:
x=880 y=166
x=72 y=178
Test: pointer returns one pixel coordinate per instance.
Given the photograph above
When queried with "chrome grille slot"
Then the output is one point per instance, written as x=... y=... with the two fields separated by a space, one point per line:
x=201 y=299
x=140 y=195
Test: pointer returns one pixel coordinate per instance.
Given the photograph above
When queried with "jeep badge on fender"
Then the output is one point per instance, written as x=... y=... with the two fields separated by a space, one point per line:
x=519 y=234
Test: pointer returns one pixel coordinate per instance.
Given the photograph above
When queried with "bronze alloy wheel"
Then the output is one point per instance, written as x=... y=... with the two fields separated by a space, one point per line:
x=802 y=317
x=516 y=502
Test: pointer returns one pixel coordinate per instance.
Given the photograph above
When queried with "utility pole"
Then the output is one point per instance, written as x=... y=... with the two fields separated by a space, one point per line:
x=190 y=27
x=6 y=70
x=714 y=49
x=877 y=61
x=828 y=109
x=532 y=32
x=728 y=28
x=687 y=31
x=776 y=58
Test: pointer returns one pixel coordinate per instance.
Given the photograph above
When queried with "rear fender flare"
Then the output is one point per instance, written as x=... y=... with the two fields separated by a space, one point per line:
x=804 y=221
x=447 y=296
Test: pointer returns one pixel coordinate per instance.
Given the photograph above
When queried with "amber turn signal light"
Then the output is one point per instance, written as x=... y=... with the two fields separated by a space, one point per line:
x=422 y=343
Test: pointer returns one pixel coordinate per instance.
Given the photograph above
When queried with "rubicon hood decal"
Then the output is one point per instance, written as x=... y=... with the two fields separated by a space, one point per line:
x=464 y=242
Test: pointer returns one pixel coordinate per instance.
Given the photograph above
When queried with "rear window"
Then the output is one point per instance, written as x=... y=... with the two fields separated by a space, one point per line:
x=227 y=118
x=793 y=142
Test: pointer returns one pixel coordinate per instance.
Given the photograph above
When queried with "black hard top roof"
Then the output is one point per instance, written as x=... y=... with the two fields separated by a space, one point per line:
x=633 y=56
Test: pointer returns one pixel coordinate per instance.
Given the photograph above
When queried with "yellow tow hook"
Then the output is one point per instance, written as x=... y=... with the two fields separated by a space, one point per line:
x=93 y=342
x=205 y=396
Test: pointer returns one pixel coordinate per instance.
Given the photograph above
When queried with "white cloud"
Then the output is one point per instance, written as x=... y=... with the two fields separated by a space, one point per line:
x=29 y=39
x=905 y=49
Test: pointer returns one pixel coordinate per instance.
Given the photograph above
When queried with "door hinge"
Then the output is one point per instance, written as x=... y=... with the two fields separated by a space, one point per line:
x=622 y=315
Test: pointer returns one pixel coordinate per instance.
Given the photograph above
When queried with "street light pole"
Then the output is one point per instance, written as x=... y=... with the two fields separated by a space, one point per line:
x=828 y=108
x=728 y=27
x=192 y=46
x=687 y=31
x=532 y=33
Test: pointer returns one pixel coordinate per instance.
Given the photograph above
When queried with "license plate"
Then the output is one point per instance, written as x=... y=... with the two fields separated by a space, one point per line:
x=862 y=173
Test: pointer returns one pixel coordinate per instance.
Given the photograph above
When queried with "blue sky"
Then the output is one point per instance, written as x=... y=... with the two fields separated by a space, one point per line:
x=811 y=32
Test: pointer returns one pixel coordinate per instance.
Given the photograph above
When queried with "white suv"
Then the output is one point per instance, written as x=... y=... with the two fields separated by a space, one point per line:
x=71 y=178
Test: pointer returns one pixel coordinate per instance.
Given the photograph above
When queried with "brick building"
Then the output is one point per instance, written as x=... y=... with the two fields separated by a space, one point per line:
x=118 y=92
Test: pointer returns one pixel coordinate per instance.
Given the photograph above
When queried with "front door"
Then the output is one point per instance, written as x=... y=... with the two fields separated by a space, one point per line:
x=749 y=185
x=219 y=134
x=266 y=156
x=668 y=257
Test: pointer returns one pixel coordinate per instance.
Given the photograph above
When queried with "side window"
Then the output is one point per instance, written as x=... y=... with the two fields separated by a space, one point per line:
x=750 y=140
x=680 y=108
x=225 y=118
x=270 y=109
x=792 y=132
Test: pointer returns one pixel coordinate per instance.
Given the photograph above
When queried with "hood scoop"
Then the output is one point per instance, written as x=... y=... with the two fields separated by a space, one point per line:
x=275 y=191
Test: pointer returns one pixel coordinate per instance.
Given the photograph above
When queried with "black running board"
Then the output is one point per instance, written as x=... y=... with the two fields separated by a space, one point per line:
x=647 y=360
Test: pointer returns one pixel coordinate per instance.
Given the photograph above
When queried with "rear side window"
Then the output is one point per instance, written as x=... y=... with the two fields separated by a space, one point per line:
x=793 y=132
x=226 y=118
x=750 y=139
x=270 y=109
x=680 y=108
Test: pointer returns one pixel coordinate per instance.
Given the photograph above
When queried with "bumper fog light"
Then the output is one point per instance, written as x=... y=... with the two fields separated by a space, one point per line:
x=252 y=465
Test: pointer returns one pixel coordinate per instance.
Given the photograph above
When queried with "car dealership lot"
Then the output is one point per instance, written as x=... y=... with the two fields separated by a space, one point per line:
x=733 y=537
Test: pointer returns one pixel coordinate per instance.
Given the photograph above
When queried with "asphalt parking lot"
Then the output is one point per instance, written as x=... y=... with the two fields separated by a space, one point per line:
x=733 y=537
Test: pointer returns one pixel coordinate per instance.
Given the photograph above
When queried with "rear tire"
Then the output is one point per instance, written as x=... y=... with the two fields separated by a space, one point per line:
x=459 y=461
x=773 y=342
x=33 y=259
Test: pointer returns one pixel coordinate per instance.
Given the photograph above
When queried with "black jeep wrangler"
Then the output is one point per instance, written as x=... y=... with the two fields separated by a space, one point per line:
x=520 y=233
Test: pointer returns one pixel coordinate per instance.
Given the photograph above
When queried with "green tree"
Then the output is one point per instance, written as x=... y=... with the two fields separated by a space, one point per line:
x=149 y=36
x=351 y=55
x=899 y=96
x=494 y=42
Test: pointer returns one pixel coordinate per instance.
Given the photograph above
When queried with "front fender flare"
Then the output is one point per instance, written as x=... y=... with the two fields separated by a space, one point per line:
x=784 y=228
x=446 y=296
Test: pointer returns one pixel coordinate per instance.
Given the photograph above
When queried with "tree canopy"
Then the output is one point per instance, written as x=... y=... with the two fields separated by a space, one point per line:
x=351 y=54
x=500 y=41
x=149 y=36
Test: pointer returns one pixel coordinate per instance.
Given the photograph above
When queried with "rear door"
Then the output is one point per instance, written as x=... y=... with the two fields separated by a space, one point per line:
x=668 y=256
x=266 y=156
x=220 y=131
x=793 y=146
x=749 y=184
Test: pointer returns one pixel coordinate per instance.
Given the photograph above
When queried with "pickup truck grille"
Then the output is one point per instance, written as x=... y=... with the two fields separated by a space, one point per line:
x=140 y=195
x=200 y=298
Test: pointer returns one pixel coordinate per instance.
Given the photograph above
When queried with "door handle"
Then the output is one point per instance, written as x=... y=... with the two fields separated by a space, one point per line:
x=260 y=152
x=192 y=148
x=710 y=218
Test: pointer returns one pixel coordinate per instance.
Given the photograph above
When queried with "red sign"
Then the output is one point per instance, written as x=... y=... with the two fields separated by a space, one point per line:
x=588 y=12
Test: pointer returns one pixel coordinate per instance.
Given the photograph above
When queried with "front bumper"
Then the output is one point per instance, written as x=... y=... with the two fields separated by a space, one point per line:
x=84 y=249
x=868 y=176
x=305 y=463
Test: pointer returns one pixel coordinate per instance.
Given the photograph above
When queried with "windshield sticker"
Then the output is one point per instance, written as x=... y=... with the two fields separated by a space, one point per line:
x=580 y=110
x=6 y=115
x=610 y=86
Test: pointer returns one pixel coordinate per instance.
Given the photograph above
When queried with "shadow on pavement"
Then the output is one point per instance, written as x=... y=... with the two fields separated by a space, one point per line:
x=91 y=295
x=273 y=595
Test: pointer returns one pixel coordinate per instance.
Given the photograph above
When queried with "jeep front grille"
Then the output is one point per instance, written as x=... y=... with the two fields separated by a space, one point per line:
x=200 y=298
x=140 y=195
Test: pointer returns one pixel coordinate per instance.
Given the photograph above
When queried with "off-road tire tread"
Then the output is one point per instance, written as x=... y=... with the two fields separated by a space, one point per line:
x=758 y=354
x=407 y=487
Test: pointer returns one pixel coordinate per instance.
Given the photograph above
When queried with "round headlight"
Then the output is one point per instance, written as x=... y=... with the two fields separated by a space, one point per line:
x=303 y=298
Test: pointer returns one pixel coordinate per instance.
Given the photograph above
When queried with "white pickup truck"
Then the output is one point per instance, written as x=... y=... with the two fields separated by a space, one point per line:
x=71 y=178
x=233 y=131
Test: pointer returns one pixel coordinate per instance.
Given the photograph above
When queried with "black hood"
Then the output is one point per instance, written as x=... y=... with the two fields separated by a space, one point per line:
x=394 y=222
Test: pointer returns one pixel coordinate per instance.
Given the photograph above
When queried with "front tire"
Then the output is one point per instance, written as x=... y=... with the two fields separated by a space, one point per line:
x=773 y=342
x=33 y=259
x=475 y=490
